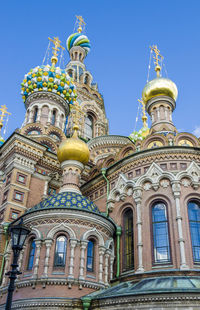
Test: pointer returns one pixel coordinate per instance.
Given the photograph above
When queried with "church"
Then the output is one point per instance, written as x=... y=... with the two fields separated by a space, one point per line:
x=114 y=221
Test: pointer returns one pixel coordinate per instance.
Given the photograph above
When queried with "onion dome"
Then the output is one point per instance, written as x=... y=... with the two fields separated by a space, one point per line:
x=66 y=200
x=139 y=135
x=159 y=87
x=51 y=79
x=73 y=149
x=78 y=39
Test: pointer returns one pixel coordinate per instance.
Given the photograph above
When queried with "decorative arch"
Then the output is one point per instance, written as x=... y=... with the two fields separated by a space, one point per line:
x=60 y=228
x=93 y=232
x=37 y=233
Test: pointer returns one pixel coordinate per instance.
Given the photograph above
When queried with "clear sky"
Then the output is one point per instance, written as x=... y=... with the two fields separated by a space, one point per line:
x=120 y=32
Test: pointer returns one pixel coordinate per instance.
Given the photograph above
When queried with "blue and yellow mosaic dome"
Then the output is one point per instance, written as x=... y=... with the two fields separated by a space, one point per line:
x=66 y=200
x=78 y=39
x=51 y=79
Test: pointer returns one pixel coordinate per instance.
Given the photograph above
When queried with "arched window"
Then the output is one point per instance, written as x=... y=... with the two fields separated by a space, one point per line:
x=60 y=252
x=89 y=127
x=194 y=219
x=31 y=254
x=35 y=115
x=161 y=248
x=86 y=79
x=128 y=259
x=90 y=256
x=53 y=119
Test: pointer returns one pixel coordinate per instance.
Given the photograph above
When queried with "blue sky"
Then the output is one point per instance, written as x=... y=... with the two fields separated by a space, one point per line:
x=120 y=33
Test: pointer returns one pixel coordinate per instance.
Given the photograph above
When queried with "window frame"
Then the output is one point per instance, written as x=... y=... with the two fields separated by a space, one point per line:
x=23 y=175
x=161 y=262
x=131 y=265
x=30 y=255
x=196 y=201
x=55 y=264
x=93 y=241
x=20 y=193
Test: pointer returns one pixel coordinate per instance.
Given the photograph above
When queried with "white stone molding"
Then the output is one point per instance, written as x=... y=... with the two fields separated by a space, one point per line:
x=176 y=188
x=137 y=196
x=93 y=232
x=73 y=243
x=7 y=265
x=111 y=266
x=35 y=231
x=21 y=255
x=61 y=228
x=101 y=255
x=38 y=244
x=48 y=243
x=193 y=173
x=83 y=246
x=106 y=260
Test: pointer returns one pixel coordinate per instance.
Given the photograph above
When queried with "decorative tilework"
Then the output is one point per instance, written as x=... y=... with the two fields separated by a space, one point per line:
x=66 y=200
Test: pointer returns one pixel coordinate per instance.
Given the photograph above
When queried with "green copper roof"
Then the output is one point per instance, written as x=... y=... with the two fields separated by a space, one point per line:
x=155 y=285
x=66 y=200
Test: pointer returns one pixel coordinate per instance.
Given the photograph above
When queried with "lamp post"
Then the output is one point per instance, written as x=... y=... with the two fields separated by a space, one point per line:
x=18 y=236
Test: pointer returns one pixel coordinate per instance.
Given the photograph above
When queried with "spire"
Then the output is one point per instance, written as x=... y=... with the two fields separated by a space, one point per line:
x=81 y=24
x=56 y=42
x=158 y=59
x=144 y=116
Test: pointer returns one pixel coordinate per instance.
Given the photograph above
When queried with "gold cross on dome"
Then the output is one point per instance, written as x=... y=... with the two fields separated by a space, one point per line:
x=144 y=116
x=80 y=22
x=77 y=113
x=158 y=58
x=4 y=111
x=55 y=49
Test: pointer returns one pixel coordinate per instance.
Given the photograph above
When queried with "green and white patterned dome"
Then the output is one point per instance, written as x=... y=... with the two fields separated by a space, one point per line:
x=51 y=79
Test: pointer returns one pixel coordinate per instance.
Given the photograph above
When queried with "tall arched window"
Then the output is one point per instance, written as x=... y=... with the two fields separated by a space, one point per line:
x=89 y=127
x=90 y=256
x=194 y=219
x=60 y=252
x=161 y=248
x=35 y=115
x=53 y=119
x=128 y=259
x=31 y=254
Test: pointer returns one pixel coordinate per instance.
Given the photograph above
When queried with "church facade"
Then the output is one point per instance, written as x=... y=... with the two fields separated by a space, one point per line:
x=114 y=220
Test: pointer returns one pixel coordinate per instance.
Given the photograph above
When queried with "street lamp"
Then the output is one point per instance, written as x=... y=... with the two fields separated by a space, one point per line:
x=18 y=236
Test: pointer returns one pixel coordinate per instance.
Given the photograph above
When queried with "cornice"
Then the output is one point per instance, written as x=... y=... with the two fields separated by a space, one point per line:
x=108 y=141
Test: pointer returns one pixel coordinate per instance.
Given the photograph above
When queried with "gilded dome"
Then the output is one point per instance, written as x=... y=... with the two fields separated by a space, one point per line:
x=159 y=87
x=73 y=149
x=51 y=79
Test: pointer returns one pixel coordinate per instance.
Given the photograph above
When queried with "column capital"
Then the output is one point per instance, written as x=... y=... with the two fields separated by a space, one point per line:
x=176 y=188
x=73 y=242
x=84 y=244
x=137 y=194
x=48 y=242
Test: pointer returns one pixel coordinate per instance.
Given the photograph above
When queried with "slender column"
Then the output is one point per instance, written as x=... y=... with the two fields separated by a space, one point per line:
x=45 y=189
x=137 y=195
x=82 y=259
x=107 y=254
x=30 y=120
x=38 y=245
x=20 y=260
x=111 y=266
x=39 y=115
x=57 y=123
x=48 y=243
x=101 y=254
x=73 y=244
x=49 y=117
x=158 y=114
x=176 y=188
x=7 y=259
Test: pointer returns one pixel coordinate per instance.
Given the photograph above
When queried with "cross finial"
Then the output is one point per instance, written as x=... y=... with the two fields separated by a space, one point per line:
x=4 y=111
x=55 y=49
x=77 y=115
x=81 y=23
x=158 y=58
x=144 y=116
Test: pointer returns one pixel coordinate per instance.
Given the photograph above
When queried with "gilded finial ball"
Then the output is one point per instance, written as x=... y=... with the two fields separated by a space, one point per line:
x=159 y=87
x=73 y=149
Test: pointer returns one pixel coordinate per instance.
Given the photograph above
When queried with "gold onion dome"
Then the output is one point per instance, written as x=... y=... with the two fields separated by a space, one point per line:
x=159 y=87
x=73 y=149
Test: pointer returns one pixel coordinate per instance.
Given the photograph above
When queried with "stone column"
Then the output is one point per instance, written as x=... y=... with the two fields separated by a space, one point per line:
x=82 y=259
x=39 y=114
x=38 y=244
x=30 y=120
x=44 y=196
x=101 y=254
x=176 y=188
x=107 y=255
x=49 y=117
x=111 y=266
x=73 y=243
x=21 y=260
x=57 y=122
x=48 y=243
x=137 y=195
x=7 y=260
